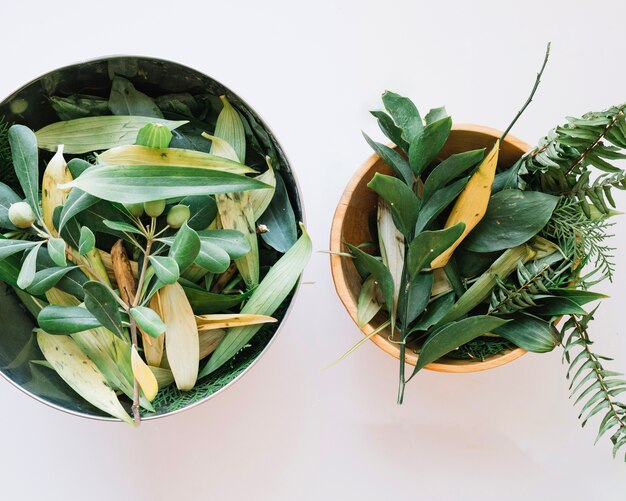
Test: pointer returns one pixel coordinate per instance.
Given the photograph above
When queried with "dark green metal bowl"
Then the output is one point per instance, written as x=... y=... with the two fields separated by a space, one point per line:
x=30 y=105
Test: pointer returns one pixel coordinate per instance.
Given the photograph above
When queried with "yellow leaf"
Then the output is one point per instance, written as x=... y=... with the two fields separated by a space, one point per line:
x=181 y=336
x=472 y=203
x=144 y=376
x=219 y=321
x=52 y=196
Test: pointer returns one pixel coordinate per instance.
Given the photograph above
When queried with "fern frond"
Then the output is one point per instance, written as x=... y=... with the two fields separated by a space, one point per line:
x=567 y=157
x=7 y=173
x=583 y=239
x=592 y=385
x=532 y=281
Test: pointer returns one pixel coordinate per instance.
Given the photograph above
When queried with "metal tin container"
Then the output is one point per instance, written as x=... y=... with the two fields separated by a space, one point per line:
x=30 y=105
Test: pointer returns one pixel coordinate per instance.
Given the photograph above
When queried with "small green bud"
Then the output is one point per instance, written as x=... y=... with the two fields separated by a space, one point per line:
x=178 y=215
x=135 y=209
x=154 y=209
x=21 y=215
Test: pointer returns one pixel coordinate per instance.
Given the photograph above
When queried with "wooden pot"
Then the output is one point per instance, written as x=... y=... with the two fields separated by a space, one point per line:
x=351 y=225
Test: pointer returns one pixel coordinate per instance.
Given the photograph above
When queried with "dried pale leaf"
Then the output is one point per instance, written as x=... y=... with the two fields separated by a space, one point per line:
x=225 y=321
x=181 y=336
x=84 y=135
x=164 y=377
x=142 y=155
x=260 y=199
x=80 y=373
x=221 y=148
x=391 y=243
x=369 y=302
x=230 y=127
x=236 y=213
x=144 y=376
x=441 y=284
x=52 y=196
x=209 y=340
x=153 y=347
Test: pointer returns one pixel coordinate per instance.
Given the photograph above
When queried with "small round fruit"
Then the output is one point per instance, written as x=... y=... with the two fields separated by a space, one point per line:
x=154 y=209
x=135 y=209
x=178 y=215
x=21 y=215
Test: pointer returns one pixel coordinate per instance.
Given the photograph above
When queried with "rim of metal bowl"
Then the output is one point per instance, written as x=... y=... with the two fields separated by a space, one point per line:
x=293 y=297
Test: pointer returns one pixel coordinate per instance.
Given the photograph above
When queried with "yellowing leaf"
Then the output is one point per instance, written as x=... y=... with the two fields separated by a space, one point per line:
x=80 y=373
x=142 y=155
x=206 y=322
x=52 y=196
x=181 y=337
x=472 y=203
x=144 y=376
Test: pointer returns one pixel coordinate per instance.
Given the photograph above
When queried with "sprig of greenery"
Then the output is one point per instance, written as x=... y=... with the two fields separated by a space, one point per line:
x=568 y=156
x=591 y=383
x=7 y=173
x=581 y=238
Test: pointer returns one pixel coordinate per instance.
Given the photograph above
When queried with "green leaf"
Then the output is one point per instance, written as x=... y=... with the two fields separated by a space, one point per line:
x=530 y=333
x=553 y=306
x=428 y=245
x=29 y=268
x=76 y=202
x=26 y=163
x=393 y=159
x=77 y=166
x=205 y=303
x=577 y=295
x=154 y=136
x=368 y=304
x=78 y=371
x=437 y=203
x=7 y=198
x=203 y=211
x=404 y=114
x=47 y=278
x=417 y=294
x=229 y=127
x=232 y=241
x=129 y=184
x=95 y=216
x=376 y=268
x=279 y=219
x=265 y=300
x=126 y=100
x=87 y=241
x=508 y=179
x=434 y=312
x=56 y=250
x=212 y=257
x=453 y=335
x=100 y=301
x=389 y=128
x=513 y=217
x=9 y=247
x=165 y=268
x=185 y=247
x=435 y=114
x=450 y=169
x=425 y=146
x=149 y=321
x=122 y=227
x=84 y=135
x=66 y=319
x=402 y=201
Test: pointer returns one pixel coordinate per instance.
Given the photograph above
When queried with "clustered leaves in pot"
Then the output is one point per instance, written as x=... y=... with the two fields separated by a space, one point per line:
x=143 y=265
x=474 y=257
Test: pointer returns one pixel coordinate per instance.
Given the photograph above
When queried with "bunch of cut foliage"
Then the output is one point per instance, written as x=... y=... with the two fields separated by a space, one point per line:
x=476 y=257
x=143 y=266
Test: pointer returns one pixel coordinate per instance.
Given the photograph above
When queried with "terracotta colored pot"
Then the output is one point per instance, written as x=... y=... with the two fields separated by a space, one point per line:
x=351 y=225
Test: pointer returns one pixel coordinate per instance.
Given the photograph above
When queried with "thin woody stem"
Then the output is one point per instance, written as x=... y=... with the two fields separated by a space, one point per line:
x=133 y=338
x=532 y=94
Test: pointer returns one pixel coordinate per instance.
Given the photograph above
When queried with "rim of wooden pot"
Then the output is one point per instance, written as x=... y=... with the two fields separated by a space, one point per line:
x=445 y=364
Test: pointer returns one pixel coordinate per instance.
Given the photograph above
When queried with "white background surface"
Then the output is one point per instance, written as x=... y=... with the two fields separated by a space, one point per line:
x=289 y=430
